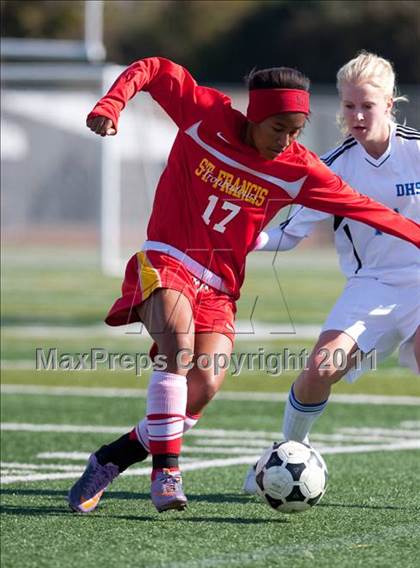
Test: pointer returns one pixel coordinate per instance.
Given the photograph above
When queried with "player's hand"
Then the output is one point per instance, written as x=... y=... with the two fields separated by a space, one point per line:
x=101 y=125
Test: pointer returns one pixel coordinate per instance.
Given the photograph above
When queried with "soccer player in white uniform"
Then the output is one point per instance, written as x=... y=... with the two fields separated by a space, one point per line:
x=379 y=308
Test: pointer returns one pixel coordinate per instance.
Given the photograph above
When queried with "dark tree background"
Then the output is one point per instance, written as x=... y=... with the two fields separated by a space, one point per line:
x=220 y=41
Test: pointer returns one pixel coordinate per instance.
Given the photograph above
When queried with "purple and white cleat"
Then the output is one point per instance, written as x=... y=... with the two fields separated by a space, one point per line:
x=167 y=492
x=86 y=493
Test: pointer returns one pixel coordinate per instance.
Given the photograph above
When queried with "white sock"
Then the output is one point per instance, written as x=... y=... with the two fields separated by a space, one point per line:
x=143 y=434
x=299 y=418
x=166 y=407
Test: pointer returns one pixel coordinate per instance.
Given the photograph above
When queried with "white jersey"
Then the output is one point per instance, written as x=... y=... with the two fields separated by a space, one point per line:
x=394 y=180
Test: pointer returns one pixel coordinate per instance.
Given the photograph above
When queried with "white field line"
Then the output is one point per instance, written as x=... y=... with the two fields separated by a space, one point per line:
x=223 y=462
x=382 y=432
x=25 y=427
x=53 y=466
x=238 y=435
x=221 y=437
x=410 y=424
x=340 y=398
x=359 y=448
x=76 y=456
x=224 y=395
x=221 y=441
x=222 y=450
x=261 y=442
x=64 y=332
x=72 y=391
x=192 y=466
x=246 y=330
x=396 y=445
x=83 y=456
x=347 y=438
x=19 y=365
x=303 y=552
x=29 y=427
x=36 y=477
x=366 y=448
x=15 y=472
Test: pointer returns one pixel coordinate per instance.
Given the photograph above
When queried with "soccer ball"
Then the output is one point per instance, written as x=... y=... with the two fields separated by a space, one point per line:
x=291 y=477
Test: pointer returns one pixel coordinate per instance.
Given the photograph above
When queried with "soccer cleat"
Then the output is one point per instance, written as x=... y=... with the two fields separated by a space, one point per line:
x=167 y=492
x=250 y=485
x=86 y=493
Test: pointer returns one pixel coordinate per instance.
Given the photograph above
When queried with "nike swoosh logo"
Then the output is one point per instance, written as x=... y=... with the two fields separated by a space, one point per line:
x=290 y=187
x=220 y=135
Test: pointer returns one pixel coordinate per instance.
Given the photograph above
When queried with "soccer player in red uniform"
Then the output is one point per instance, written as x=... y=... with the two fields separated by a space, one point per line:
x=227 y=176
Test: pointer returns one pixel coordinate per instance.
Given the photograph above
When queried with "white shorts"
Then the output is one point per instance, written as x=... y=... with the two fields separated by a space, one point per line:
x=378 y=316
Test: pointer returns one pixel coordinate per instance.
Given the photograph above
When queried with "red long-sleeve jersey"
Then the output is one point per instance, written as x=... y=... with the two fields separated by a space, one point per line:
x=217 y=193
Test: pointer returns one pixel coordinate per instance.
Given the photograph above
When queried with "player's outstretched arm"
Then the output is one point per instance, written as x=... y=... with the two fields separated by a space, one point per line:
x=101 y=125
x=325 y=191
x=172 y=87
x=289 y=233
x=276 y=240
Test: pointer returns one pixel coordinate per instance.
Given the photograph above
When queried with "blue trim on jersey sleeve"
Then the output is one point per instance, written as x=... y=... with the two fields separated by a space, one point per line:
x=330 y=159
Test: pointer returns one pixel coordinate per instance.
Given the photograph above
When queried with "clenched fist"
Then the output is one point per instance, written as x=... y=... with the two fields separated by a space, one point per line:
x=101 y=125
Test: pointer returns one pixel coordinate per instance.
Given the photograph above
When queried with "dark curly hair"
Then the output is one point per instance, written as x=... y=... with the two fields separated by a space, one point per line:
x=277 y=78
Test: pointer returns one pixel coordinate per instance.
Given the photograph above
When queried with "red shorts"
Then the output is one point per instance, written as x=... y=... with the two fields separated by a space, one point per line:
x=213 y=311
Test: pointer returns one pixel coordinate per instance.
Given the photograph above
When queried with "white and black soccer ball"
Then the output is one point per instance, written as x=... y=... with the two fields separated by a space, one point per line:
x=291 y=477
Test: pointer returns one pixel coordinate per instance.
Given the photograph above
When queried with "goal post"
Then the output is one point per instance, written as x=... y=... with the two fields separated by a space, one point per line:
x=110 y=182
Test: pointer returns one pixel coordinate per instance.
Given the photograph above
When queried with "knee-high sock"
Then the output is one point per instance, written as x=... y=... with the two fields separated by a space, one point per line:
x=123 y=452
x=299 y=418
x=143 y=434
x=166 y=407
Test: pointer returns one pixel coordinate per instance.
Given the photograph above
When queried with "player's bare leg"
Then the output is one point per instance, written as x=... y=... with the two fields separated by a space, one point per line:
x=133 y=447
x=204 y=383
x=309 y=394
x=314 y=383
x=167 y=316
x=208 y=369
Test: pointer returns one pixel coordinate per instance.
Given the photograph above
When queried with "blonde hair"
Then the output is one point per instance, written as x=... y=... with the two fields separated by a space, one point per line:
x=369 y=68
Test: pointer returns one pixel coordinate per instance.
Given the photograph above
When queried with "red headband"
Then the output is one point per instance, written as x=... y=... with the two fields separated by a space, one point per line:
x=266 y=102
